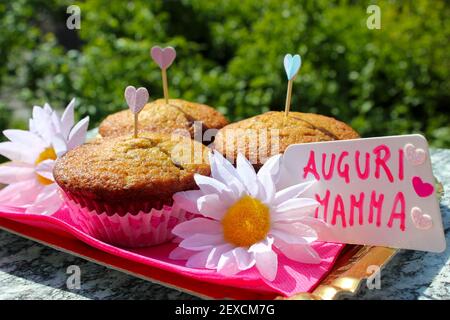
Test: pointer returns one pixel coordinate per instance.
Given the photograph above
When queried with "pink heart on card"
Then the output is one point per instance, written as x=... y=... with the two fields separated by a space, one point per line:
x=414 y=155
x=163 y=56
x=421 y=220
x=136 y=99
x=423 y=189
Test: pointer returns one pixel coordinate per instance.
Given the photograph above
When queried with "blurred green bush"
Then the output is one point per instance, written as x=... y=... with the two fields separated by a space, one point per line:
x=389 y=81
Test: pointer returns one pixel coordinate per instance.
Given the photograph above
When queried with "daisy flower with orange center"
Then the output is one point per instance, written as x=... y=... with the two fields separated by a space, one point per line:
x=244 y=218
x=32 y=154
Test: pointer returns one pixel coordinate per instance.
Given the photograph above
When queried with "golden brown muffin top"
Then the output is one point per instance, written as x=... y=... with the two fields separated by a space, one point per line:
x=158 y=116
x=153 y=165
x=249 y=135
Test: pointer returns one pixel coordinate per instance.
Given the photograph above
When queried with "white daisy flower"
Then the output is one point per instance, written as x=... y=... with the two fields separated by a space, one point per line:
x=29 y=175
x=245 y=217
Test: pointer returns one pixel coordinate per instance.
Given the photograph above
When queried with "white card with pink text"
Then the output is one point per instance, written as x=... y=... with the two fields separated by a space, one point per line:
x=374 y=191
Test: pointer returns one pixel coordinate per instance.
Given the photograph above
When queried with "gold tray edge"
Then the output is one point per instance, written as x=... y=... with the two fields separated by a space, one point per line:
x=349 y=273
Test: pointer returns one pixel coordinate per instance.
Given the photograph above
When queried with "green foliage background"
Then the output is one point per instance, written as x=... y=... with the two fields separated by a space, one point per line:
x=389 y=81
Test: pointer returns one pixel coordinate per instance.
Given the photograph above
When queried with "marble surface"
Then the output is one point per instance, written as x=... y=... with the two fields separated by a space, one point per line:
x=32 y=271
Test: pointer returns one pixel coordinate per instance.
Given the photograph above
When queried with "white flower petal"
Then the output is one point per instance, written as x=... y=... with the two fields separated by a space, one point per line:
x=16 y=172
x=267 y=264
x=187 y=200
x=17 y=152
x=37 y=114
x=45 y=169
x=247 y=173
x=266 y=259
x=267 y=190
x=68 y=119
x=48 y=202
x=223 y=170
x=198 y=260
x=196 y=226
x=296 y=228
x=208 y=258
x=42 y=124
x=181 y=254
x=289 y=216
x=303 y=205
x=271 y=168
x=199 y=242
x=228 y=265
x=291 y=192
x=211 y=206
x=25 y=138
x=212 y=186
x=268 y=176
x=244 y=259
x=215 y=254
x=262 y=246
x=287 y=237
x=293 y=232
x=47 y=108
x=20 y=193
x=46 y=193
x=56 y=123
x=31 y=126
x=320 y=226
x=77 y=135
x=59 y=145
x=298 y=252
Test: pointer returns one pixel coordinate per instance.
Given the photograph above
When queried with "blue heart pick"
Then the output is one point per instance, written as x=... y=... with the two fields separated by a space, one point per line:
x=292 y=64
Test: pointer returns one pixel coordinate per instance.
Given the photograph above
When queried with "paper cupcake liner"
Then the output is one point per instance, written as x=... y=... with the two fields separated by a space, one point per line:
x=118 y=207
x=128 y=230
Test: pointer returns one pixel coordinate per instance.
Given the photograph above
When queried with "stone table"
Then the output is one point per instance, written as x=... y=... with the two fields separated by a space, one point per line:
x=29 y=270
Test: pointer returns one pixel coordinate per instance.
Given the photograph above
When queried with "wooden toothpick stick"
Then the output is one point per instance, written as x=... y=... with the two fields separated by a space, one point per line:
x=287 y=106
x=136 y=125
x=165 y=85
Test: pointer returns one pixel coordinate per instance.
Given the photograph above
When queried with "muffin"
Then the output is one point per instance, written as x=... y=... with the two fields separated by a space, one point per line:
x=178 y=115
x=271 y=133
x=120 y=189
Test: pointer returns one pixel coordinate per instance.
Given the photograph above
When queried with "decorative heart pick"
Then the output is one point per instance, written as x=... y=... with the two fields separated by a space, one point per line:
x=421 y=220
x=136 y=100
x=292 y=65
x=414 y=155
x=423 y=189
x=164 y=57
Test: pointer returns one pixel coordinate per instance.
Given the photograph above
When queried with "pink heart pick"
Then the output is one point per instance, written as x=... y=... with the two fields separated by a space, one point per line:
x=136 y=99
x=423 y=189
x=421 y=220
x=163 y=56
x=414 y=155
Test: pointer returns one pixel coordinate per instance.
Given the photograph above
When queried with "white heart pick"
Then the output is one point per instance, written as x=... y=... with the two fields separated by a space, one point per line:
x=136 y=99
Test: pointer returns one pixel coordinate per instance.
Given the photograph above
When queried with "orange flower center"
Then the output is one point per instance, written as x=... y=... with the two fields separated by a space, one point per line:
x=47 y=154
x=246 y=222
